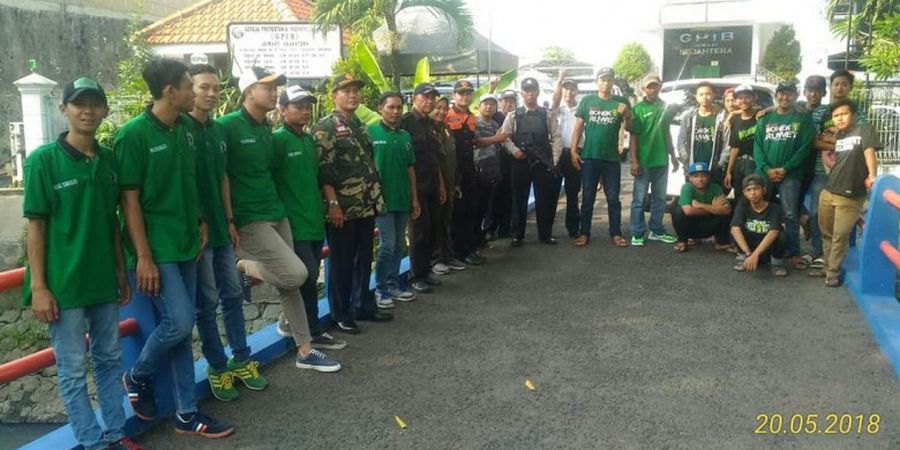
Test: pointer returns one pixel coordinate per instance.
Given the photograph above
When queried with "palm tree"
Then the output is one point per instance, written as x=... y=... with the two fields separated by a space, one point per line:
x=364 y=16
x=866 y=14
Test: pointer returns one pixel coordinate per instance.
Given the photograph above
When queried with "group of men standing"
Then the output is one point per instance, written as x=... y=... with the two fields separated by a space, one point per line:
x=208 y=204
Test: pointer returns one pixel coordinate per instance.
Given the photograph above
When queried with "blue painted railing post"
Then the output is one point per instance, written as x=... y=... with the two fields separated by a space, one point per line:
x=878 y=275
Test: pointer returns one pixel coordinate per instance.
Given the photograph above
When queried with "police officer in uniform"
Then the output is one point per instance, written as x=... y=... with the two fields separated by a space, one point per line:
x=352 y=192
x=536 y=146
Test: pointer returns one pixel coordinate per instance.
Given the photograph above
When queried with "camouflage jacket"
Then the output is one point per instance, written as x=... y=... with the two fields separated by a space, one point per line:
x=346 y=163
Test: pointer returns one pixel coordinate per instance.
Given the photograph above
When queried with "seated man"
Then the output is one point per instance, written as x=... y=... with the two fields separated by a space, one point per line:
x=702 y=210
x=756 y=228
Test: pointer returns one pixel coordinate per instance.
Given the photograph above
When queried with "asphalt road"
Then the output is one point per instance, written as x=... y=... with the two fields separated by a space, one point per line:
x=627 y=348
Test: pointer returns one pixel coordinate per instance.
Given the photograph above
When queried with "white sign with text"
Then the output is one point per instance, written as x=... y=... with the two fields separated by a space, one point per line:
x=296 y=50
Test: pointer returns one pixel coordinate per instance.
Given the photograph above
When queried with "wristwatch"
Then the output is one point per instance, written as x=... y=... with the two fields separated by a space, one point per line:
x=333 y=203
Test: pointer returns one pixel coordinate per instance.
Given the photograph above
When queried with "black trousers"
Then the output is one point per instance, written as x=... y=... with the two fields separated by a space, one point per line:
x=502 y=211
x=701 y=227
x=572 y=178
x=487 y=207
x=310 y=252
x=350 y=268
x=466 y=224
x=422 y=237
x=546 y=195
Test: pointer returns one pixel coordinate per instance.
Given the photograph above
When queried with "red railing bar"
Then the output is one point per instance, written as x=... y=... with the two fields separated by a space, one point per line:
x=43 y=359
x=892 y=198
x=891 y=253
x=12 y=279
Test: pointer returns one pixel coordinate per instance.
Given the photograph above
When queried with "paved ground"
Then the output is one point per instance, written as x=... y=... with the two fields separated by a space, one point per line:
x=628 y=348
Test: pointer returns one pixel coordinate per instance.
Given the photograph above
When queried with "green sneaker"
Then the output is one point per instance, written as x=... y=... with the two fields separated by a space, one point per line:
x=248 y=373
x=221 y=384
x=664 y=238
x=637 y=241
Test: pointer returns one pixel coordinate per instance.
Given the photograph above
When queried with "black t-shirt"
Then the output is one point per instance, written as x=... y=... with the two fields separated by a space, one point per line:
x=742 y=133
x=425 y=146
x=756 y=225
x=849 y=173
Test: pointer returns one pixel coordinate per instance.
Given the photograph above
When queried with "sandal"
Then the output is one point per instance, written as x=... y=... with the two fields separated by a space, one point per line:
x=832 y=282
x=725 y=248
x=816 y=273
x=581 y=241
x=681 y=247
x=779 y=271
x=739 y=266
x=619 y=241
x=691 y=242
x=801 y=262
x=817 y=264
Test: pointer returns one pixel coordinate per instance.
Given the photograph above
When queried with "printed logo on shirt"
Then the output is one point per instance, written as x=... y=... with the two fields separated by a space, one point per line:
x=159 y=148
x=249 y=140
x=603 y=117
x=703 y=134
x=222 y=147
x=747 y=133
x=190 y=139
x=64 y=184
x=847 y=144
x=379 y=142
x=295 y=153
x=757 y=226
x=782 y=132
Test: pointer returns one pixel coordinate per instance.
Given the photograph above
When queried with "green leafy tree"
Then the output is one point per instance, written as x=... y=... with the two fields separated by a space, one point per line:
x=883 y=56
x=131 y=94
x=364 y=16
x=558 y=55
x=872 y=30
x=782 y=55
x=633 y=62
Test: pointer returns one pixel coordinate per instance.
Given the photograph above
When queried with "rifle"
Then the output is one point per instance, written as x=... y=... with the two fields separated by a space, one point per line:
x=526 y=144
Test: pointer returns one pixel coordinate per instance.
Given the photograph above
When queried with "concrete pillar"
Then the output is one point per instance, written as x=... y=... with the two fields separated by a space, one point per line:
x=38 y=110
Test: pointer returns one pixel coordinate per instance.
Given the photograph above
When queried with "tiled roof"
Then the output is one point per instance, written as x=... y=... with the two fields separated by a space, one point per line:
x=206 y=22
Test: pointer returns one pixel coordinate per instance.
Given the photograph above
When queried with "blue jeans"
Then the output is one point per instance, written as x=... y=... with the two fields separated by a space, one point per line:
x=788 y=192
x=815 y=190
x=218 y=282
x=392 y=236
x=653 y=179
x=169 y=345
x=592 y=171
x=101 y=322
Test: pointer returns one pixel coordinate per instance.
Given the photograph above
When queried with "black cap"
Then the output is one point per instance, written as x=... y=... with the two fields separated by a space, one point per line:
x=463 y=86
x=83 y=85
x=605 y=71
x=296 y=94
x=509 y=93
x=425 y=89
x=569 y=83
x=346 y=80
x=529 y=84
x=817 y=82
x=786 y=86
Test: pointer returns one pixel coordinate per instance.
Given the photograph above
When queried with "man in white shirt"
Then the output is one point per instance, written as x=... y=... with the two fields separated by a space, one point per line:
x=563 y=108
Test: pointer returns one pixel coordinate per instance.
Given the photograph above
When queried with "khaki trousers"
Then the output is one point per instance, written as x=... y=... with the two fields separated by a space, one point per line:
x=837 y=215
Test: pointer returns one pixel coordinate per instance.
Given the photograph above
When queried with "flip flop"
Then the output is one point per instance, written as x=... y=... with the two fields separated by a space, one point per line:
x=619 y=241
x=779 y=271
x=817 y=263
x=681 y=247
x=832 y=282
x=582 y=241
x=801 y=263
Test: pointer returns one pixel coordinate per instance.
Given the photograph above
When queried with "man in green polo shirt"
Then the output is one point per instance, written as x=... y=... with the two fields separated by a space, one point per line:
x=651 y=149
x=75 y=277
x=296 y=172
x=600 y=116
x=351 y=188
x=267 y=245
x=157 y=158
x=781 y=147
x=217 y=276
x=702 y=210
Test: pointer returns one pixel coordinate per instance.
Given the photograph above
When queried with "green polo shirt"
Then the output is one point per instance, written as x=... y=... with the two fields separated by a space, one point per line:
x=250 y=164
x=689 y=193
x=161 y=162
x=393 y=156
x=211 y=161
x=783 y=140
x=651 y=124
x=77 y=197
x=297 y=179
x=601 y=127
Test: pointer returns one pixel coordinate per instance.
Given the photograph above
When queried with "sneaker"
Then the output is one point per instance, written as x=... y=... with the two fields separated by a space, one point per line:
x=125 y=444
x=440 y=269
x=455 y=264
x=248 y=373
x=432 y=281
x=140 y=395
x=221 y=384
x=383 y=300
x=402 y=296
x=283 y=327
x=200 y=424
x=348 y=326
x=637 y=241
x=420 y=286
x=474 y=260
x=665 y=238
x=316 y=360
x=326 y=342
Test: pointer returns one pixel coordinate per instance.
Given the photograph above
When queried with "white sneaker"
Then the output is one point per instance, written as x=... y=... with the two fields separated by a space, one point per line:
x=383 y=302
x=440 y=269
x=403 y=296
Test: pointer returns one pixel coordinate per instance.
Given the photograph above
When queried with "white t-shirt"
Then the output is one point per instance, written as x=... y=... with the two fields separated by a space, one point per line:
x=565 y=116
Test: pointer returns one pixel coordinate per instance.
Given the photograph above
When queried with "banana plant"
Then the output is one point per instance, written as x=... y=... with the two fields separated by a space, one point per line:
x=370 y=67
x=503 y=82
x=423 y=72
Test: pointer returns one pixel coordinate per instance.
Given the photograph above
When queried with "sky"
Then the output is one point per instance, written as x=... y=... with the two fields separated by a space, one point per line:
x=595 y=30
